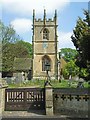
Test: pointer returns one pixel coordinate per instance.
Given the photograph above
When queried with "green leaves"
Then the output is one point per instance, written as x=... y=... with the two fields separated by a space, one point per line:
x=12 y=46
x=9 y=52
x=8 y=34
x=70 y=69
x=27 y=45
x=81 y=40
x=68 y=54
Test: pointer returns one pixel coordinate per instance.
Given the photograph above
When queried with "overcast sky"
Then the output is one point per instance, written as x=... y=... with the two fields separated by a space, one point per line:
x=18 y=13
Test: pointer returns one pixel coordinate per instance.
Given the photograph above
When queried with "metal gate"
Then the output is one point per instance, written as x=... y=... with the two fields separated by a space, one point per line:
x=25 y=99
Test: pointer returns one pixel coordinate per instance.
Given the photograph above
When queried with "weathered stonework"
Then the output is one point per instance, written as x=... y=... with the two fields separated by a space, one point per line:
x=3 y=86
x=39 y=51
x=72 y=102
x=49 y=100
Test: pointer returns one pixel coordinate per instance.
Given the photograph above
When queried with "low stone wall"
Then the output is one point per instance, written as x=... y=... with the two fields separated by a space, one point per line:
x=2 y=94
x=71 y=102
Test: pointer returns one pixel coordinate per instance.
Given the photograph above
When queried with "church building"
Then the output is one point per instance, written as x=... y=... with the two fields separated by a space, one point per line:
x=44 y=41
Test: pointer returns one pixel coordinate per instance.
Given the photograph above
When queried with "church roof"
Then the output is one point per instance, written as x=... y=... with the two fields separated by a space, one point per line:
x=63 y=62
x=22 y=64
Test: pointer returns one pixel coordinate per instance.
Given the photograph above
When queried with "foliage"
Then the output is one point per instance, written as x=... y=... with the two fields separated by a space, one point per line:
x=12 y=47
x=81 y=40
x=27 y=45
x=70 y=69
x=68 y=54
x=9 y=52
x=8 y=34
x=83 y=73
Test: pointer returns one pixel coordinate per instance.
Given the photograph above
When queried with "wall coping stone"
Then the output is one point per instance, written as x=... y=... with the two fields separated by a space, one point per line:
x=3 y=84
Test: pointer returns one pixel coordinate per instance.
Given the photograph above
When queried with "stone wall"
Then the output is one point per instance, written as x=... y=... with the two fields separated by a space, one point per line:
x=66 y=101
x=49 y=100
x=2 y=95
x=72 y=102
x=3 y=86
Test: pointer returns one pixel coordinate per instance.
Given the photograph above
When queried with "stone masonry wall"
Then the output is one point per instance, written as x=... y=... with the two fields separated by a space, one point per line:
x=2 y=101
x=2 y=96
x=72 y=102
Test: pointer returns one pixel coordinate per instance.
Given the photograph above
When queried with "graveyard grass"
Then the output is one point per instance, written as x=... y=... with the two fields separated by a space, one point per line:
x=54 y=83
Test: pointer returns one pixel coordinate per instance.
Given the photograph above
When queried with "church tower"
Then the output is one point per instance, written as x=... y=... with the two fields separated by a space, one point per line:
x=44 y=43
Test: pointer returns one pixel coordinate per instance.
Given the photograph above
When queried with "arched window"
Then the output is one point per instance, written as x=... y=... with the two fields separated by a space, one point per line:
x=45 y=34
x=46 y=60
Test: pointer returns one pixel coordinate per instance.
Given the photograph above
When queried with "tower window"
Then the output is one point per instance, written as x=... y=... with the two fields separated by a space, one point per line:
x=46 y=60
x=45 y=34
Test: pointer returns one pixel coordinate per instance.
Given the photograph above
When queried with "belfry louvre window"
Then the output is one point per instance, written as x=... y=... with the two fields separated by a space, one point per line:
x=45 y=34
x=46 y=60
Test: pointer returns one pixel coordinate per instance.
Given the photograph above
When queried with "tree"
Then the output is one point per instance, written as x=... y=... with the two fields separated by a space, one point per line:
x=81 y=40
x=11 y=47
x=68 y=54
x=70 y=69
x=27 y=45
x=8 y=34
x=9 y=52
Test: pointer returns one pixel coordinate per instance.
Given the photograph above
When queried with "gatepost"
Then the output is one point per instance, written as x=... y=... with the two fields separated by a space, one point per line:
x=3 y=86
x=49 y=99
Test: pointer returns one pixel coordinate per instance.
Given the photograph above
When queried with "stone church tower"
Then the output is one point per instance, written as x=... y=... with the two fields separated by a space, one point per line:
x=44 y=43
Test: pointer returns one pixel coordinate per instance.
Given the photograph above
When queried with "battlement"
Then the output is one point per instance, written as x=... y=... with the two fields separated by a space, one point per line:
x=38 y=20
x=45 y=20
x=50 y=20
x=41 y=20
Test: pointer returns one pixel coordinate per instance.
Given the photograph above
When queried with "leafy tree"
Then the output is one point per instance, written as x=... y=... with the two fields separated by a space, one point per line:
x=81 y=40
x=9 y=52
x=70 y=69
x=27 y=45
x=68 y=54
x=12 y=47
x=8 y=34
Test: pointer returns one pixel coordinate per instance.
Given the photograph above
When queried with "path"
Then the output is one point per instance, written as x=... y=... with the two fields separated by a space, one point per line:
x=34 y=115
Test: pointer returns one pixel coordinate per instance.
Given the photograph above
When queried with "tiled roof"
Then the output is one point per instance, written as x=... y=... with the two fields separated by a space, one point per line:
x=22 y=64
x=63 y=62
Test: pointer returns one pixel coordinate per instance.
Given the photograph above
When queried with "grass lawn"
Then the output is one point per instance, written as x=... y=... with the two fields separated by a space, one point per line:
x=54 y=83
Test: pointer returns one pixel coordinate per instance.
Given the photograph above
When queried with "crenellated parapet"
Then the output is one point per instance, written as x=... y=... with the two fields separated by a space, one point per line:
x=44 y=21
x=41 y=20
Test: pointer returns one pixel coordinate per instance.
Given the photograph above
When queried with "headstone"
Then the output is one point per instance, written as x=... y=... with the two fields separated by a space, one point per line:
x=81 y=80
x=70 y=77
x=80 y=85
x=76 y=78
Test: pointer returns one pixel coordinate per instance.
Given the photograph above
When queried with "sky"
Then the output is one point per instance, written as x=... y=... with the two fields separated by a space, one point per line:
x=18 y=13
